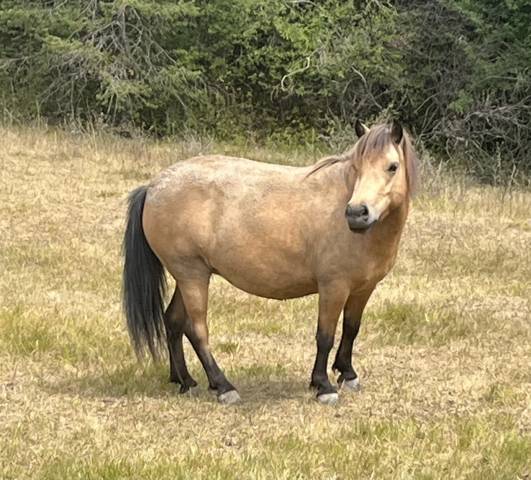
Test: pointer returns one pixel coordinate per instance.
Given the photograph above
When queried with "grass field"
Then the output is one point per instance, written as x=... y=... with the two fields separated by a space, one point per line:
x=444 y=353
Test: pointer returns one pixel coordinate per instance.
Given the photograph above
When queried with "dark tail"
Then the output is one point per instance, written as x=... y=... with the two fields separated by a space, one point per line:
x=144 y=282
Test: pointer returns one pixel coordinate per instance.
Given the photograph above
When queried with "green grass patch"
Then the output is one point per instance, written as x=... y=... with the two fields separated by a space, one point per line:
x=260 y=371
x=504 y=394
x=420 y=324
x=244 y=314
x=68 y=339
x=227 y=347
x=197 y=466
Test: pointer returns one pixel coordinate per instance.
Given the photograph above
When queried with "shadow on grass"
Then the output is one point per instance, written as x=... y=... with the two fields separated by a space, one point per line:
x=121 y=381
x=258 y=384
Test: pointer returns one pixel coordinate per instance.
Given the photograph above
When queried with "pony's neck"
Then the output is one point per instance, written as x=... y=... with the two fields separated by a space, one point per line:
x=389 y=232
x=396 y=219
x=348 y=175
x=336 y=179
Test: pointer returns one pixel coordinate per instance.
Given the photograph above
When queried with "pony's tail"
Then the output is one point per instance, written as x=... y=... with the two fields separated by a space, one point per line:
x=144 y=282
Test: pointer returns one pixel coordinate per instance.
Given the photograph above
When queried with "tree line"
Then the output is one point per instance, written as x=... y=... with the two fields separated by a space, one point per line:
x=457 y=73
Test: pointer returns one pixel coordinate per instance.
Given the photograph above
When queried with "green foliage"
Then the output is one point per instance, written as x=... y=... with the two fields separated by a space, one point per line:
x=457 y=72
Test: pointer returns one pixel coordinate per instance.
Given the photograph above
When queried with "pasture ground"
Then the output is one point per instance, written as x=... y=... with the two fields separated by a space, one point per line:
x=444 y=353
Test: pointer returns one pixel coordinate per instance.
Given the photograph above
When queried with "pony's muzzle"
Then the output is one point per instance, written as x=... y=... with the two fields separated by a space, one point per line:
x=359 y=217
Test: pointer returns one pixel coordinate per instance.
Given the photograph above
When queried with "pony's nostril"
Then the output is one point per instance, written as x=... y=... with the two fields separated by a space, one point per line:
x=359 y=211
x=349 y=212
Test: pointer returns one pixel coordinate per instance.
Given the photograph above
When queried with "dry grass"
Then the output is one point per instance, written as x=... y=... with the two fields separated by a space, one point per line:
x=444 y=352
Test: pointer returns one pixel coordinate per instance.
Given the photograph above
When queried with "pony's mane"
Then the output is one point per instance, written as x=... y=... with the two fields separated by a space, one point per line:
x=373 y=143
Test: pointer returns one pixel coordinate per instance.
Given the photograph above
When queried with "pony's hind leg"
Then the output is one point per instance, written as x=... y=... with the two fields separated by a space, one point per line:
x=174 y=322
x=352 y=314
x=195 y=296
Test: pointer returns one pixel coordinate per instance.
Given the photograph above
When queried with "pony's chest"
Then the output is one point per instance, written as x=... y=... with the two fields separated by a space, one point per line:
x=369 y=271
x=371 y=264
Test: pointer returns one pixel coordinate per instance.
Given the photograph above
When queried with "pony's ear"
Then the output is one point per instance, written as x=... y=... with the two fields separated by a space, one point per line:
x=360 y=128
x=396 y=132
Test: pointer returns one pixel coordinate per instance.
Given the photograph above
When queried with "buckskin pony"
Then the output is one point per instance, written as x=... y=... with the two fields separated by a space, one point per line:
x=275 y=231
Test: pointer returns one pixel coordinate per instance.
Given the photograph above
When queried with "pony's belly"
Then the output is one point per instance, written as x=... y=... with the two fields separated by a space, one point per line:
x=278 y=289
x=264 y=268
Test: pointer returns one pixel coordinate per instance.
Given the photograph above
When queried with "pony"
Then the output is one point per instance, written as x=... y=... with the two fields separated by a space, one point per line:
x=275 y=231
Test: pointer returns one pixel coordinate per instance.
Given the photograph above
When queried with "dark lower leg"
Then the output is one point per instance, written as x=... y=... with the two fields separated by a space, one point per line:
x=343 y=361
x=216 y=378
x=174 y=321
x=178 y=371
x=320 y=379
x=195 y=297
x=351 y=326
x=332 y=298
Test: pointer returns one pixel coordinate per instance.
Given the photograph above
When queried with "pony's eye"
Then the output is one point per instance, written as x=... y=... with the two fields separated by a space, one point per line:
x=393 y=168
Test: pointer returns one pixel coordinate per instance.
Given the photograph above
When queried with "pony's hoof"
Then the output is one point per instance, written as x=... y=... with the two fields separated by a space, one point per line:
x=190 y=390
x=352 y=385
x=328 y=398
x=229 y=398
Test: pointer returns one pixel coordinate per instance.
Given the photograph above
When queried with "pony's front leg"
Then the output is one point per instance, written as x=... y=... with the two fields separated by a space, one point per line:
x=351 y=325
x=332 y=298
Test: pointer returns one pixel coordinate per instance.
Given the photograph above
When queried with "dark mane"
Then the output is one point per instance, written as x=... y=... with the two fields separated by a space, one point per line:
x=371 y=144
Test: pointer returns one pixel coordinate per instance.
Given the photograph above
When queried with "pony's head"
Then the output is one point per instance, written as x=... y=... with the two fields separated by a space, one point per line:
x=385 y=173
